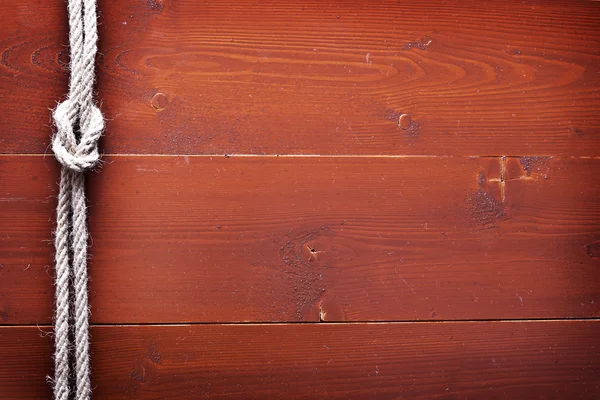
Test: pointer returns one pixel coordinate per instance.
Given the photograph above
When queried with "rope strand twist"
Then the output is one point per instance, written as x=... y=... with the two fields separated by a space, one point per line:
x=79 y=125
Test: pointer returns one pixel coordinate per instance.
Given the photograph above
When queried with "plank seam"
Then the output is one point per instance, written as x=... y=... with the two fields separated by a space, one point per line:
x=390 y=322
x=317 y=155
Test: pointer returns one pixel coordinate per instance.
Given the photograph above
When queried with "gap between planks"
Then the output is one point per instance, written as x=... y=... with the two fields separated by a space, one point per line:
x=313 y=155
x=406 y=322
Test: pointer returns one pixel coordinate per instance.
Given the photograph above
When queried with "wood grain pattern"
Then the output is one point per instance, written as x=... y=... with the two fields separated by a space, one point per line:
x=502 y=360
x=321 y=233
x=209 y=239
x=313 y=77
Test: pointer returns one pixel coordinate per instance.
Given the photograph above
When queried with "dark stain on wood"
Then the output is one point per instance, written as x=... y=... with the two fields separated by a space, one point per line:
x=593 y=250
x=139 y=376
x=533 y=164
x=481 y=179
x=485 y=209
x=303 y=269
x=4 y=315
x=155 y=5
x=153 y=353
x=413 y=131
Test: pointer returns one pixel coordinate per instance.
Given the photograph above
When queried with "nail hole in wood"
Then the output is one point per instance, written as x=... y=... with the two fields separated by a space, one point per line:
x=159 y=101
x=405 y=121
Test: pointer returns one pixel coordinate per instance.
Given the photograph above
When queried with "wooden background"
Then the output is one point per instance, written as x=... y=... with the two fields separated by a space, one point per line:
x=262 y=226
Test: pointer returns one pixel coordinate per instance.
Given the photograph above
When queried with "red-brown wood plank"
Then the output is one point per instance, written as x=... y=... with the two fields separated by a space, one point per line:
x=314 y=77
x=497 y=360
x=206 y=239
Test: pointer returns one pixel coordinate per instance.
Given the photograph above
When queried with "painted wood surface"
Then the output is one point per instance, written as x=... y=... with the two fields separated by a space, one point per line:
x=313 y=77
x=470 y=360
x=205 y=239
x=411 y=209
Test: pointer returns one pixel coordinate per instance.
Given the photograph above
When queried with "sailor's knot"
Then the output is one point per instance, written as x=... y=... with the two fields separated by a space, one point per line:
x=77 y=153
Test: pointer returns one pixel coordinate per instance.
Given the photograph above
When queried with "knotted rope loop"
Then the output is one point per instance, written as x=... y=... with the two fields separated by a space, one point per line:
x=79 y=125
x=76 y=154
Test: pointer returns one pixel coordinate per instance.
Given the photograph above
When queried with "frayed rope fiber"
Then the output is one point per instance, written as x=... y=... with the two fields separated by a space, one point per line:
x=79 y=125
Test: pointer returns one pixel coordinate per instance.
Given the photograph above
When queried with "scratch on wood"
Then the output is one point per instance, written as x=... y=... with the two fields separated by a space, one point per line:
x=421 y=44
x=502 y=180
x=406 y=283
x=322 y=313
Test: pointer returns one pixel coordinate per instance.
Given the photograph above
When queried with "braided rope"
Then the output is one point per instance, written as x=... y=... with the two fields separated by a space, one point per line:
x=79 y=125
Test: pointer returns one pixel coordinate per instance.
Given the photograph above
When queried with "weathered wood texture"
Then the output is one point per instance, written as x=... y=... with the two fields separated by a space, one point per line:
x=501 y=360
x=214 y=239
x=184 y=238
x=316 y=77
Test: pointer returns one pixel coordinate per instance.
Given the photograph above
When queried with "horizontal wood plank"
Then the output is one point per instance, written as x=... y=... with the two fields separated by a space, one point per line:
x=502 y=360
x=219 y=239
x=314 y=77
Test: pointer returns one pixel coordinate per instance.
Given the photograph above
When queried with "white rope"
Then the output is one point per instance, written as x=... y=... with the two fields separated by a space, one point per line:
x=79 y=125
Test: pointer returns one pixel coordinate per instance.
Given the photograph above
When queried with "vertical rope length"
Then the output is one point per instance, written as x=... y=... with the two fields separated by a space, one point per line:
x=79 y=125
x=61 y=318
